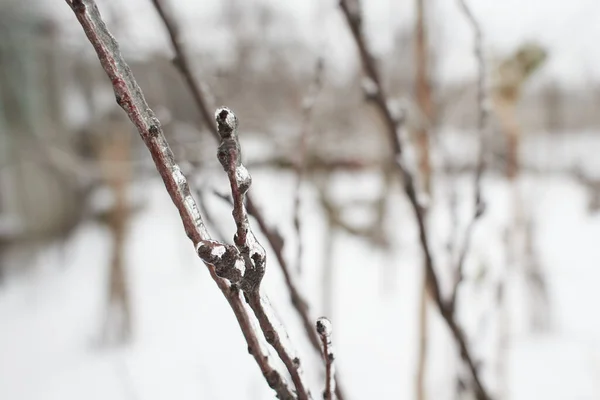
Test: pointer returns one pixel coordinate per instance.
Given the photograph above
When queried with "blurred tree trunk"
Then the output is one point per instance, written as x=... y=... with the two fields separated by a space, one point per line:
x=425 y=104
x=115 y=151
x=423 y=94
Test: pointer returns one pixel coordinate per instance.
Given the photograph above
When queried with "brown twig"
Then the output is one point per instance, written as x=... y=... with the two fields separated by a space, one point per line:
x=482 y=123
x=353 y=18
x=130 y=97
x=324 y=330
x=300 y=165
x=182 y=62
x=271 y=234
x=253 y=254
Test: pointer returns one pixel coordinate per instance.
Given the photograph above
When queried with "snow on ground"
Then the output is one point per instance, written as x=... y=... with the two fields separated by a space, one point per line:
x=187 y=344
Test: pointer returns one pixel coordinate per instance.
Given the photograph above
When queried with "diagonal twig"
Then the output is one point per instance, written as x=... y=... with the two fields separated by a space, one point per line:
x=130 y=97
x=352 y=15
x=183 y=64
x=271 y=234
x=482 y=125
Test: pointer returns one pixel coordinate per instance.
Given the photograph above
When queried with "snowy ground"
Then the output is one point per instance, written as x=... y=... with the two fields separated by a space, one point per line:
x=187 y=342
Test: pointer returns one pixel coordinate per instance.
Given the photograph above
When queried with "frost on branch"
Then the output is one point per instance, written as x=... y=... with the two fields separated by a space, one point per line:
x=230 y=157
x=226 y=259
x=324 y=329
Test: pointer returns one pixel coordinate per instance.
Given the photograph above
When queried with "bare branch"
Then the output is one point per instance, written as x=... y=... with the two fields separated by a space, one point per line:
x=130 y=97
x=271 y=234
x=353 y=18
x=300 y=165
x=482 y=126
x=253 y=254
x=324 y=330
x=184 y=66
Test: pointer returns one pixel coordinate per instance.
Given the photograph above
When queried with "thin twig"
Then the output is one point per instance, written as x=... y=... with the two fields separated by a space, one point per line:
x=482 y=124
x=324 y=330
x=353 y=18
x=271 y=234
x=300 y=165
x=130 y=97
x=183 y=64
x=254 y=256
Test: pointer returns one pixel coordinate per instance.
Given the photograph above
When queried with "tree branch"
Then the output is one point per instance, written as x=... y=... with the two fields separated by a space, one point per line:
x=482 y=125
x=253 y=254
x=130 y=97
x=300 y=164
x=354 y=20
x=324 y=331
x=182 y=62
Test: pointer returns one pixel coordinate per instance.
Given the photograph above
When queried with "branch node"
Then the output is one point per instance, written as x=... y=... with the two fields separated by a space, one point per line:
x=224 y=257
x=324 y=329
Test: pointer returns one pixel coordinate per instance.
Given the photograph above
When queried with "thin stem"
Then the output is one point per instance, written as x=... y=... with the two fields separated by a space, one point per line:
x=130 y=97
x=353 y=18
x=183 y=64
x=300 y=165
x=482 y=125
x=324 y=330
x=254 y=256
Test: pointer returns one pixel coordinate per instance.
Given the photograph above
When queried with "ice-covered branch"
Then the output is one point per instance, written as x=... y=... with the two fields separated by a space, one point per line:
x=482 y=127
x=253 y=254
x=271 y=234
x=130 y=97
x=351 y=11
x=324 y=330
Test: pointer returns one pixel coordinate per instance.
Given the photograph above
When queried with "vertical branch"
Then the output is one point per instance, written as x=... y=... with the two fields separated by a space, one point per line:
x=324 y=330
x=423 y=93
x=425 y=104
x=482 y=127
x=130 y=97
x=117 y=150
x=353 y=18
x=422 y=349
x=300 y=165
x=271 y=234
x=253 y=254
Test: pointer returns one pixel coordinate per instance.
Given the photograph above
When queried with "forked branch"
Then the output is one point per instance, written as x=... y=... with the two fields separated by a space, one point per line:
x=252 y=253
x=130 y=97
x=272 y=235
x=351 y=11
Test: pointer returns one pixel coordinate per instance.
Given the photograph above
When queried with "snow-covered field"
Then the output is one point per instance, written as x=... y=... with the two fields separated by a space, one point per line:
x=187 y=344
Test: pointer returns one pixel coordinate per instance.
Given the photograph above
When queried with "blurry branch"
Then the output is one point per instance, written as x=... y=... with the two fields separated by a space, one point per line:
x=425 y=106
x=253 y=254
x=591 y=184
x=423 y=95
x=324 y=331
x=271 y=234
x=129 y=96
x=482 y=128
x=116 y=146
x=300 y=165
x=200 y=193
x=314 y=163
x=183 y=64
x=353 y=17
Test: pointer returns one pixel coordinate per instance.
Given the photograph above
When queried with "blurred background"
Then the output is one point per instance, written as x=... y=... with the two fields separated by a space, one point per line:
x=103 y=297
